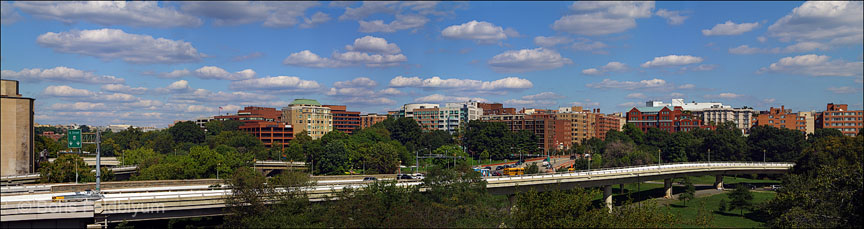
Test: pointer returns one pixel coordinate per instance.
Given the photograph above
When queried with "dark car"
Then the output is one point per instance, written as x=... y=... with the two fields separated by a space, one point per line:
x=488 y=167
x=370 y=179
x=496 y=173
x=499 y=167
x=406 y=176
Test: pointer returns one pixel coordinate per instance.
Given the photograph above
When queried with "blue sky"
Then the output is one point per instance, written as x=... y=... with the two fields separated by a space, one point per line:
x=149 y=63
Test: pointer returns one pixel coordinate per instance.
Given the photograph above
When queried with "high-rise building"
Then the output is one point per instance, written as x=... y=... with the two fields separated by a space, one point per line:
x=448 y=118
x=16 y=151
x=551 y=133
x=582 y=123
x=587 y=124
x=838 y=116
x=308 y=115
x=670 y=119
x=606 y=123
x=780 y=118
x=721 y=114
x=370 y=119
x=808 y=119
x=343 y=120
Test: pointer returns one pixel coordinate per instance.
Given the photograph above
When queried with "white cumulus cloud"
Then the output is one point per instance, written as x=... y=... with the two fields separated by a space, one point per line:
x=672 y=60
x=67 y=91
x=480 y=31
x=213 y=72
x=123 y=89
x=373 y=45
x=837 y=22
x=610 y=67
x=61 y=74
x=815 y=65
x=271 y=14
x=672 y=17
x=402 y=22
x=276 y=83
x=601 y=17
x=509 y=83
x=107 y=13
x=527 y=60
x=109 y=44
x=548 y=42
x=439 y=98
x=730 y=28
x=385 y=54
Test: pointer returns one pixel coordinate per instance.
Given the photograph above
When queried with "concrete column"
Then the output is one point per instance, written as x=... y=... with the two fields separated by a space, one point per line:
x=718 y=182
x=621 y=188
x=667 y=186
x=607 y=196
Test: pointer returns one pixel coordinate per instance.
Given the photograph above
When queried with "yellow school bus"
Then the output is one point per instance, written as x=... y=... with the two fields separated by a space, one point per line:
x=513 y=171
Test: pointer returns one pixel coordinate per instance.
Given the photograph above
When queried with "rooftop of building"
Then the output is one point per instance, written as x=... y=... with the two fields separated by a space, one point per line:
x=305 y=102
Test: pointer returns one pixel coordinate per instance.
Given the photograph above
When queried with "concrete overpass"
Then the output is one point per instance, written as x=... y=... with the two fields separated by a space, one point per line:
x=151 y=203
x=124 y=171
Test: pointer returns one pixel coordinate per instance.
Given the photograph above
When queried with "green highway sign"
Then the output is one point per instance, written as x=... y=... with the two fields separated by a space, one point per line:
x=74 y=137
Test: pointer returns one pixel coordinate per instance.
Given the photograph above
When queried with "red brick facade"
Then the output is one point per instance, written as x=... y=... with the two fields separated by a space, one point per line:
x=837 y=116
x=670 y=120
x=343 y=120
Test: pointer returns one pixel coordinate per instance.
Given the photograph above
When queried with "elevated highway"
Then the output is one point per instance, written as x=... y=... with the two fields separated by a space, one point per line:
x=151 y=203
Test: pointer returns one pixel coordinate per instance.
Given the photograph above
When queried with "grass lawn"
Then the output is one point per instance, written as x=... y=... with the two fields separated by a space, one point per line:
x=722 y=219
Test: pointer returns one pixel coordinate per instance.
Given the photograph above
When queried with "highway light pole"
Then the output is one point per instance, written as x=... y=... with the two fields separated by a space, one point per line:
x=659 y=159
x=763 y=156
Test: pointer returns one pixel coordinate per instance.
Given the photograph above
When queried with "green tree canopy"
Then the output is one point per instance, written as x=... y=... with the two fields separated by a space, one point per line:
x=187 y=131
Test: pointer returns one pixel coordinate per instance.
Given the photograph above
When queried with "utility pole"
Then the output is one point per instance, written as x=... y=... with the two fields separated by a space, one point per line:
x=709 y=156
x=659 y=159
x=763 y=156
x=98 y=161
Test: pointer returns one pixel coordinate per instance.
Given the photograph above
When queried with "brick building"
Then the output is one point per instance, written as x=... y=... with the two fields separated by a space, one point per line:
x=368 y=120
x=495 y=109
x=670 y=119
x=253 y=114
x=838 y=116
x=343 y=120
x=270 y=133
x=551 y=133
x=780 y=118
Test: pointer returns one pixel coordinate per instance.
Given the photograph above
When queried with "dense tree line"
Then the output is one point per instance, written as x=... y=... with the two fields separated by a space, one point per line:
x=454 y=197
x=632 y=146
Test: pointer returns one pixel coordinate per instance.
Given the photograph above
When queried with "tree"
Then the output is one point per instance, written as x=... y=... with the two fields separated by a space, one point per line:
x=187 y=131
x=64 y=168
x=722 y=206
x=332 y=159
x=84 y=129
x=434 y=139
x=634 y=133
x=451 y=151
x=776 y=144
x=824 y=132
x=825 y=187
x=248 y=198
x=214 y=127
x=726 y=144
x=532 y=169
x=494 y=137
x=689 y=191
x=679 y=145
x=741 y=198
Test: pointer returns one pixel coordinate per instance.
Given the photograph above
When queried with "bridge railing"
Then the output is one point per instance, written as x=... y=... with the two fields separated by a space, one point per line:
x=624 y=169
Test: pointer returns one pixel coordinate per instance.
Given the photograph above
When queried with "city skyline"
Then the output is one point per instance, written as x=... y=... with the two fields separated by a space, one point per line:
x=149 y=63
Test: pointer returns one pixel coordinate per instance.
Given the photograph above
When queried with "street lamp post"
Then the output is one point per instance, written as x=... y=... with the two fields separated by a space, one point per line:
x=763 y=156
x=709 y=156
x=659 y=159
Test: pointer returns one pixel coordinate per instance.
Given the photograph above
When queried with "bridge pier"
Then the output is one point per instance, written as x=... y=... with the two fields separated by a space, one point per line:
x=718 y=182
x=607 y=196
x=667 y=186
x=621 y=187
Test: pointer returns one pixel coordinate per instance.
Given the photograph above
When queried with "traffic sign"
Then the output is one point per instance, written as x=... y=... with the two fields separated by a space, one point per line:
x=74 y=137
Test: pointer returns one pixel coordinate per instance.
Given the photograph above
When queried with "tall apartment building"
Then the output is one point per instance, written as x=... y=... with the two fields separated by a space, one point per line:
x=551 y=133
x=370 y=119
x=808 y=118
x=671 y=119
x=780 y=118
x=838 y=116
x=448 y=118
x=606 y=123
x=721 y=114
x=582 y=123
x=587 y=124
x=271 y=134
x=343 y=120
x=308 y=115
x=17 y=156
